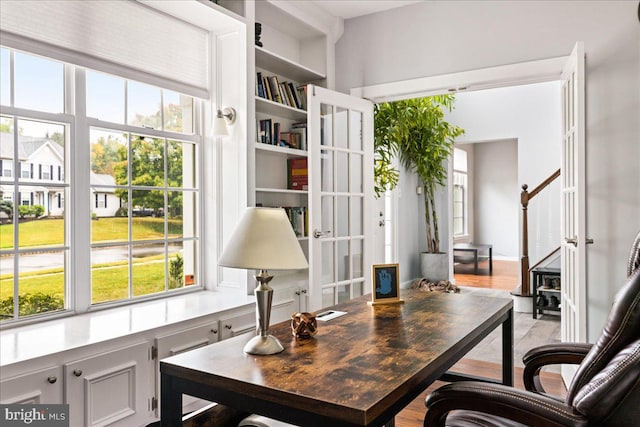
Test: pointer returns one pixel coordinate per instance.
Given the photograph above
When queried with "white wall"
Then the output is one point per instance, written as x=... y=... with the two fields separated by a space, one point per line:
x=531 y=115
x=496 y=197
x=438 y=37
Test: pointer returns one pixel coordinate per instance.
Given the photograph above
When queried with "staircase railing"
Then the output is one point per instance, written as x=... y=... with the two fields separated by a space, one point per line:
x=525 y=197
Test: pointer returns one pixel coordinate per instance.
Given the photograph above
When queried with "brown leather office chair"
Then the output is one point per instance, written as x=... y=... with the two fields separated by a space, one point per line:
x=605 y=390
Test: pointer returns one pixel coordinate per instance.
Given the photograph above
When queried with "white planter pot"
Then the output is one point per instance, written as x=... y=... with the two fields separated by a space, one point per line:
x=434 y=266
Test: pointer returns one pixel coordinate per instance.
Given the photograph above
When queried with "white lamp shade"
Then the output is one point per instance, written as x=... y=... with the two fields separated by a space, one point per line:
x=219 y=126
x=264 y=240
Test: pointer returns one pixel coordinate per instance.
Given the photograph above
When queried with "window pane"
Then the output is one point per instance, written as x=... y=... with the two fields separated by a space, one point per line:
x=5 y=77
x=178 y=112
x=35 y=227
x=182 y=210
x=6 y=286
x=108 y=158
x=326 y=124
x=148 y=269
x=189 y=262
x=38 y=83
x=147 y=161
x=105 y=97
x=328 y=297
x=342 y=217
x=41 y=282
x=147 y=222
x=109 y=273
x=343 y=260
x=341 y=129
x=181 y=164
x=343 y=168
x=143 y=105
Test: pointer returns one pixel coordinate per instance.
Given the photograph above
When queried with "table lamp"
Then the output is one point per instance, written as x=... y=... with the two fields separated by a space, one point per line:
x=263 y=240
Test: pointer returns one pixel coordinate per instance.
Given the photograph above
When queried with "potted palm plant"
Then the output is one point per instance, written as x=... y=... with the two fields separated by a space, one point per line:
x=416 y=131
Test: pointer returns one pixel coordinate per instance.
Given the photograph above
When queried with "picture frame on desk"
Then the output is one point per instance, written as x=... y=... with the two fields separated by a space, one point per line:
x=386 y=286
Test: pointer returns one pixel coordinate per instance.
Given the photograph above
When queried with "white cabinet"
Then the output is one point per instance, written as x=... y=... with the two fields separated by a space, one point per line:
x=115 y=388
x=44 y=386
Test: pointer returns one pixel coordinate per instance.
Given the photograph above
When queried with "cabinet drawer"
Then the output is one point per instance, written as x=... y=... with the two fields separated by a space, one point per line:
x=237 y=324
x=38 y=387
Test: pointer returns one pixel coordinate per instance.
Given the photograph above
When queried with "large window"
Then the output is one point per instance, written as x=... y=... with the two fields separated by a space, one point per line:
x=143 y=197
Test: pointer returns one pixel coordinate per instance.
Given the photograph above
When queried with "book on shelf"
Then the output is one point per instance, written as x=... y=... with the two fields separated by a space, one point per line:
x=259 y=85
x=282 y=92
x=264 y=135
x=295 y=138
x=302 y=95
x=298 y=217
x=297 y=174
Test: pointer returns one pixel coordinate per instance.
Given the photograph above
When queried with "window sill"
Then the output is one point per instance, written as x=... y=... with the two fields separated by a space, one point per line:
x=54 y=336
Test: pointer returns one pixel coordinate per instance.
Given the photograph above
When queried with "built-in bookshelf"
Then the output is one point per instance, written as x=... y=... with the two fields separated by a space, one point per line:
x=293 y=54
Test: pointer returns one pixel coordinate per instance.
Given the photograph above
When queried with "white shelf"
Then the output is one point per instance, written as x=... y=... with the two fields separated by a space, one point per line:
x=289 y=152
x=280 y=65
x=280 y=191
x=272 y=108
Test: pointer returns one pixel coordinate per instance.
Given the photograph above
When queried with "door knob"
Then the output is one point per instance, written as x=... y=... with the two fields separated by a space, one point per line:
x=572 y=241
x=318 y=234
x=77 y=372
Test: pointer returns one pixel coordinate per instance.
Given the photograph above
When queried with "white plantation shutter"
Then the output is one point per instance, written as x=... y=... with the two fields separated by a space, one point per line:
x=119 y=37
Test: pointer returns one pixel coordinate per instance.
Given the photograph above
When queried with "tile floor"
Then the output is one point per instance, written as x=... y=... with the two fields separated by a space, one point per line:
x=528 y=333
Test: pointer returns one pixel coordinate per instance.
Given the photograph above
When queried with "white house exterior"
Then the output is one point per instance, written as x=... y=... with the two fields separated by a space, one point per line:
x=40 y=164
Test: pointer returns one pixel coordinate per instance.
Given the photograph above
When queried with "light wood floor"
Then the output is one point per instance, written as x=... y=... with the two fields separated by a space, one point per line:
x=504 y=277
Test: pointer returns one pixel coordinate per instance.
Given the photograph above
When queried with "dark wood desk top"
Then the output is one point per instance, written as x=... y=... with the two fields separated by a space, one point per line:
x=359 y=368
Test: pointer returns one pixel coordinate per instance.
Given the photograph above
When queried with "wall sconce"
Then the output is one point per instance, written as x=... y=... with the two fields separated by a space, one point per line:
x=223 y=119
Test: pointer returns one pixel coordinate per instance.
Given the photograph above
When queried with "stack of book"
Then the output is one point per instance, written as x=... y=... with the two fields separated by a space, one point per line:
x=269 y=132
x=286 y=93
x=299 y=218
x=297 y=174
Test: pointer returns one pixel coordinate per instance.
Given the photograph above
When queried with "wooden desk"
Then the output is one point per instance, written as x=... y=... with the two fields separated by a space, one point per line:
x=361 y=369
x=470 y=247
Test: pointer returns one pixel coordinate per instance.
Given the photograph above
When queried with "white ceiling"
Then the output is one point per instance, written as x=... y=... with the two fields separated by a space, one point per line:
x=352 y=8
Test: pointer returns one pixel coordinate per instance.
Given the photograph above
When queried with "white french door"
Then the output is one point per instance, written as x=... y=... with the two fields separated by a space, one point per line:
x=574 y=324
x=341 y=196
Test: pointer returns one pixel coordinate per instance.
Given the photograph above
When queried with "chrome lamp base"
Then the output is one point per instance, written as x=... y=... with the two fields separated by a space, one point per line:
x=263 y=344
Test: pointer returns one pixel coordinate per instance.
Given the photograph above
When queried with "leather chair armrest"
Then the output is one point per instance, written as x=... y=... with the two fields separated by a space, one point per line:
x=550 y=354
x=506 y=402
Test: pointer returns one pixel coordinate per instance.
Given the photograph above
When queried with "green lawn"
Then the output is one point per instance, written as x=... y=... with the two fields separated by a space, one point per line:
x=48 y=232
x=109 y=281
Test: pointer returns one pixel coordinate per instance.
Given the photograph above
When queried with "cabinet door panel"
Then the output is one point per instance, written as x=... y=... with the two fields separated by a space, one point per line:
x=112 y=388
x=38 y=387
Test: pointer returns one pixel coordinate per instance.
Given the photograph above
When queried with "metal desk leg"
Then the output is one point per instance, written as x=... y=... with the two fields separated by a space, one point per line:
x=475 y=261
x=491 y=260
x=170 y=403
x=507 y=350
